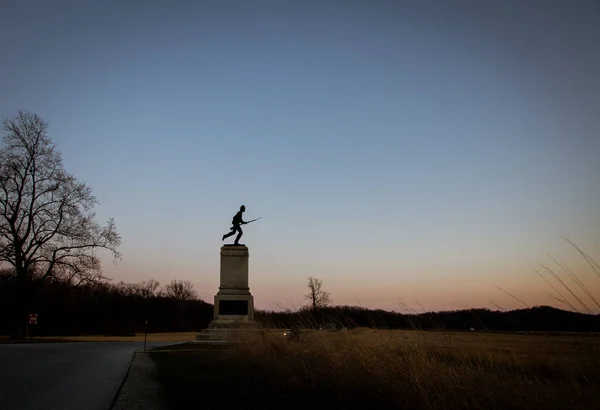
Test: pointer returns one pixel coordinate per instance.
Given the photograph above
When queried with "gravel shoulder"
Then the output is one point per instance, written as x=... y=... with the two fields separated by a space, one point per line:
x=141 y=389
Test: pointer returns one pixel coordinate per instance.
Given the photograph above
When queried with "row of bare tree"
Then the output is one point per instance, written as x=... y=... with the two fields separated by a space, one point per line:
x=175 y=289
x=105 y=308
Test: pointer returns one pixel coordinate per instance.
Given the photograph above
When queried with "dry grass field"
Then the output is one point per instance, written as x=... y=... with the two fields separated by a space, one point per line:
x=363 y=368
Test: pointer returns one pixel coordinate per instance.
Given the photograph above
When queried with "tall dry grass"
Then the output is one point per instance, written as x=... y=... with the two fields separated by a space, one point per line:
x=441 y=370
x=412 y=369
x=569 y=289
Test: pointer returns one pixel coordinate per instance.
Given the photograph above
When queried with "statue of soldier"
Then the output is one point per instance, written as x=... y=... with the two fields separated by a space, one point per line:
x=236 y=222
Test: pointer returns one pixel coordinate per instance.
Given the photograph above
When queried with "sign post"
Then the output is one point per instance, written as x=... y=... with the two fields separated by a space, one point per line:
x=33 y=320
x=145 y=334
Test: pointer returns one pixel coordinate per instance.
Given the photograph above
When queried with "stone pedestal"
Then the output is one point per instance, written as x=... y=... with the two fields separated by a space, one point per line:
x=234 y=304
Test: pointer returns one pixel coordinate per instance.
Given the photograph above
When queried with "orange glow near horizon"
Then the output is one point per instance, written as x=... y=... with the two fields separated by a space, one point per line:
x=445 y=290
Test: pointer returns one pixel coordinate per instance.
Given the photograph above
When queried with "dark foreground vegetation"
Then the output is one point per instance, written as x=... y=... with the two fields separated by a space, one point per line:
x=383 y=369
x=123 y=308
x=540 y=318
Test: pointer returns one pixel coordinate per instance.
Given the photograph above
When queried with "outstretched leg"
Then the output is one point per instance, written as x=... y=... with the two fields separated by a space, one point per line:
x=227 y=235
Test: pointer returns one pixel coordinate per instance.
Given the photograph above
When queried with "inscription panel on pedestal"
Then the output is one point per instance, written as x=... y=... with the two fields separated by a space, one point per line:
x=233 y=307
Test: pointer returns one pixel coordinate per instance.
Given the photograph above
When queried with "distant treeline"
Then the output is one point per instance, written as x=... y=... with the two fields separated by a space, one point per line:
x=542 y=318
x=124 y=308
x=105 y=308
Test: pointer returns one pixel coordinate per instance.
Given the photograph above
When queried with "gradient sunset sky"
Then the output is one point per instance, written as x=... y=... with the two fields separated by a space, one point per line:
x=415 y=151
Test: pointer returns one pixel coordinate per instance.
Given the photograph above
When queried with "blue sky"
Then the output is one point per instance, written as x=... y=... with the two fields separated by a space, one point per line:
x=414 y=150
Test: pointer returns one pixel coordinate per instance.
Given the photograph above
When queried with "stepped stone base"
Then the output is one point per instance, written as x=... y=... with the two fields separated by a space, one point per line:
x=223 y=335
x=222 y=323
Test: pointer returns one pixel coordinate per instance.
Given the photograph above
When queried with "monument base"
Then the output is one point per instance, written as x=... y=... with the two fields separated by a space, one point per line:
x=233 y=303
x=233 y=311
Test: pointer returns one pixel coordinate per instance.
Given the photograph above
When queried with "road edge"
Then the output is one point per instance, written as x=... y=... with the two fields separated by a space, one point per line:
x=133 y=391
x=120 y=388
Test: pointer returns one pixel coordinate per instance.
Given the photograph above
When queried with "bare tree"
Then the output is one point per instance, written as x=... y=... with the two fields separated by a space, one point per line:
x=317 y=297
x=124 y=289
x=147 y=289
x=47 y=225
x=180 y=290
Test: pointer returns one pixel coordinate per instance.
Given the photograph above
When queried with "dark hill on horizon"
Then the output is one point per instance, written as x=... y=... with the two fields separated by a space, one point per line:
x=538 y=318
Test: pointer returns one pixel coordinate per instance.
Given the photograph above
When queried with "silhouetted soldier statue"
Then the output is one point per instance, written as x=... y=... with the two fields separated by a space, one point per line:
x=236 y=222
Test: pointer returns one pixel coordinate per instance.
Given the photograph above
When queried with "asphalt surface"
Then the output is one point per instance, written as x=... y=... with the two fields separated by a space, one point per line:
x=65 y=376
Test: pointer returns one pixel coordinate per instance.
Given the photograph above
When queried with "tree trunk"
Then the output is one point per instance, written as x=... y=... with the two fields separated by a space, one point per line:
x=19 y=303
x=316 y=313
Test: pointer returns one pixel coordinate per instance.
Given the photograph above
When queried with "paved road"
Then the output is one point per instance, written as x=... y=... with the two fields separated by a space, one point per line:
x=65 y=376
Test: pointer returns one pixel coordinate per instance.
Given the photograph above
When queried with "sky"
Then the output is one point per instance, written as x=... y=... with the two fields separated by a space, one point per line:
x=406 y=153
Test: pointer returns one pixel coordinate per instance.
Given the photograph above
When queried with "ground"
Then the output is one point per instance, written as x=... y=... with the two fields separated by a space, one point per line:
x=69 y=375
x=386 y=369
x=352 y=369
x=138 y=337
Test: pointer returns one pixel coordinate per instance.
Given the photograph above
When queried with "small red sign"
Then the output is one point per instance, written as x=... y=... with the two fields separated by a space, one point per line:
x=33 y=319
